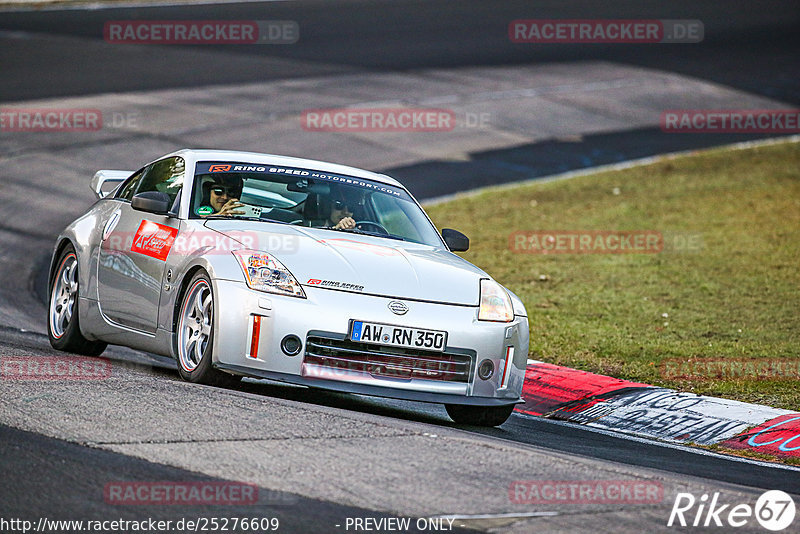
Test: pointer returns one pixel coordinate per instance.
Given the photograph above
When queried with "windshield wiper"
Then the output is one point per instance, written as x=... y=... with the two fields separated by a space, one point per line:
x=362 y=232
x=239 y=218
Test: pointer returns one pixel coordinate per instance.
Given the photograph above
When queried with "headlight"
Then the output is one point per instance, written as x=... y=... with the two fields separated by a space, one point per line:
x=263 y=272
x=495 y=303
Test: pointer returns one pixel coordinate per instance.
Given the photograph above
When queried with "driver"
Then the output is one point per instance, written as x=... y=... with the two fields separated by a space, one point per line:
x=341 y=214
x=222 y=195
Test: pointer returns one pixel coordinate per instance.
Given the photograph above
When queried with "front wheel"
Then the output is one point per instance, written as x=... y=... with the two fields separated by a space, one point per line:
x=62 y=311
x=479 y=415
x=195 y=336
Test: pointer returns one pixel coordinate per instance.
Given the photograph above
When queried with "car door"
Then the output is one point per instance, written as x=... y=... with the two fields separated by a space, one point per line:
x=134 y=249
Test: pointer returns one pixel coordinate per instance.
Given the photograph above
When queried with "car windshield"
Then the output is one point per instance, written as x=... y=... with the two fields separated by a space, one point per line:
x=308 y=198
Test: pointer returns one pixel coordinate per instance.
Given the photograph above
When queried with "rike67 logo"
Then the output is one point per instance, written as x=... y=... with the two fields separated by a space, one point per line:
x=774 y=510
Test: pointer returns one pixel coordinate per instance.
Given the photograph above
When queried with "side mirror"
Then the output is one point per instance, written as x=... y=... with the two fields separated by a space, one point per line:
x=152 y=202
x=455 y=240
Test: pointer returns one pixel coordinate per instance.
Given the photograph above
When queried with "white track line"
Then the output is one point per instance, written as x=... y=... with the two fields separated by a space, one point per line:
x=497 y=516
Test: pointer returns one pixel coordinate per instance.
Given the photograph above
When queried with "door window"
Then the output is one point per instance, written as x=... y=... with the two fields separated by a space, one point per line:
x=165 y=176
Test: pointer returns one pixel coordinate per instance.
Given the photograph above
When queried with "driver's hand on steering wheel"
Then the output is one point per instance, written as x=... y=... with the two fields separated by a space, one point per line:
x=347 y=223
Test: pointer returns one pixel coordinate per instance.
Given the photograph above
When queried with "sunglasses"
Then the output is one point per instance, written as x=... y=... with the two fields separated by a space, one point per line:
x=339 y=205
x=230 y=191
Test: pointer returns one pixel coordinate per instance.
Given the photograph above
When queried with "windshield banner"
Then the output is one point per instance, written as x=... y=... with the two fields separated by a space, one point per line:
x=209 y=167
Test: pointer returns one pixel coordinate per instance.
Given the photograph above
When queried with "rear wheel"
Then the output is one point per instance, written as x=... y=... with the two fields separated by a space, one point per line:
x=195 y=336
x=62 y=311
x=479 y=415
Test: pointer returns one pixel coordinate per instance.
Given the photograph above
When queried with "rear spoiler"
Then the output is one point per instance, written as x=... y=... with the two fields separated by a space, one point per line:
x=107 y=177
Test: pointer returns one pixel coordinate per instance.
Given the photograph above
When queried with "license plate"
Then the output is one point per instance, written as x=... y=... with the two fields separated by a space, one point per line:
x=397 y=336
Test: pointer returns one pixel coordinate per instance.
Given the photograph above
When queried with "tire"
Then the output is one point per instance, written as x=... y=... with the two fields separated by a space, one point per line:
x=63 y=300
x=479 y=415
x=194 y=336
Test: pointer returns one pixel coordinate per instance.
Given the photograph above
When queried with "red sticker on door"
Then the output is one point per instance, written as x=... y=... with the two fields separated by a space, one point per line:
x=154 y=240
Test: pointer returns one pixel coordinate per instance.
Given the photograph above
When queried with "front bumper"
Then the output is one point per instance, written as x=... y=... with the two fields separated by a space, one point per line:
x=249 y=327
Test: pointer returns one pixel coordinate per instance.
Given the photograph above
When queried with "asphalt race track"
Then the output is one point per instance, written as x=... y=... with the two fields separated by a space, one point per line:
x=317 y=458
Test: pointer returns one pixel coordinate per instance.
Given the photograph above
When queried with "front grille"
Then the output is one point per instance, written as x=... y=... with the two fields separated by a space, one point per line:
x=393 y=362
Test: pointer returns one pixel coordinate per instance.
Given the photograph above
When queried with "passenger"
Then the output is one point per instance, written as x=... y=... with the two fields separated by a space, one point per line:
x=222 y=195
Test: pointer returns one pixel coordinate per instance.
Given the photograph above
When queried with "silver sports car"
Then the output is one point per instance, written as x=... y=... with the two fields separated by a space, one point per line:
x=241 y=264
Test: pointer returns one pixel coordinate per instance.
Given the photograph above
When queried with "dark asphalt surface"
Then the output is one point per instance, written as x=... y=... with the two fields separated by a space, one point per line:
x=56 y=480
x=751 y=46
x=748 y=47
x=74 y=460
x=434 y=178
x=565 y=437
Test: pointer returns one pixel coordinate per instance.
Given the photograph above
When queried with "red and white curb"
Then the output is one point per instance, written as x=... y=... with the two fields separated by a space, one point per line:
x=618 y=405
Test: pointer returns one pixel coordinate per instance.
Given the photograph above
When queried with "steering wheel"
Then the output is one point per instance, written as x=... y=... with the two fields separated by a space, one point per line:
x=376 y=226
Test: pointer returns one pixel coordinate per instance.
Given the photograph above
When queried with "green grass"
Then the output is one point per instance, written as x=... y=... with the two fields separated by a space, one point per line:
x=737 y=295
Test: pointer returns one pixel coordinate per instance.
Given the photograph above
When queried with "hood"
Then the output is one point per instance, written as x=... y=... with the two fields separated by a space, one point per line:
x=352 y=262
